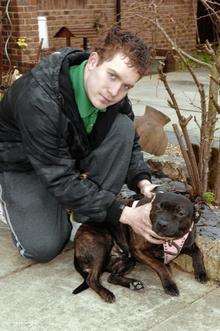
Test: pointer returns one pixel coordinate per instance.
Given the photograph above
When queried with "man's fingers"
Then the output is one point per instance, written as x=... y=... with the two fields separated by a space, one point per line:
x=150 y=235
x=154 y=235
x=152 y=239
x=147 y=190
x=150 y=187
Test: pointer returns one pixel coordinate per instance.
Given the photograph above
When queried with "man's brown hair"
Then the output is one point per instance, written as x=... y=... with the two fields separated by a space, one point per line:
x=127 y=43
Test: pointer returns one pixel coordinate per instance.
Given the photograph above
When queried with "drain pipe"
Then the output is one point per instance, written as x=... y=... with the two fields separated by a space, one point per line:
x=118 y=12
x=43 y=31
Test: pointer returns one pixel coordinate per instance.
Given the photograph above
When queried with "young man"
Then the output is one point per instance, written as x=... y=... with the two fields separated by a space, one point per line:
x=69 y=116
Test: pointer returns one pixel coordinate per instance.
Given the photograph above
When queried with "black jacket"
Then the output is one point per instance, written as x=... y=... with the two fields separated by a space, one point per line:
x=41 y=129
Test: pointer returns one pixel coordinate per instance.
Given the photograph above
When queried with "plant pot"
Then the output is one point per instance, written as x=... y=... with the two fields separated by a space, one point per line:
x=150 y=128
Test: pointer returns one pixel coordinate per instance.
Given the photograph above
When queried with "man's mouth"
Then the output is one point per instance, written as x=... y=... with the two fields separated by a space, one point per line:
x=105 y=100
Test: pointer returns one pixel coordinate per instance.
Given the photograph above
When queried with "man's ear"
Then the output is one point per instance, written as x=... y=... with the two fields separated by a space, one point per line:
x=93 y=61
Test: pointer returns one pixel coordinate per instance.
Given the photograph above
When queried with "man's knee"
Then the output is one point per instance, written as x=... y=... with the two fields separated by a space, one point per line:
x=44 y=251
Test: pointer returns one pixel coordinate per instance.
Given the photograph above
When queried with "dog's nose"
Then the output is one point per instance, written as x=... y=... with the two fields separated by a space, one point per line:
x=162 y=224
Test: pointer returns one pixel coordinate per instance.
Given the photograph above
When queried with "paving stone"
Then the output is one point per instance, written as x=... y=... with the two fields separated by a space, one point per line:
x=40 y=298
x=11 y=261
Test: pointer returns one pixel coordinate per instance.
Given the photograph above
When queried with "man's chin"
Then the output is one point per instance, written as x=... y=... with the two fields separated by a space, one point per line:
x=101 y=102
x=100 y=105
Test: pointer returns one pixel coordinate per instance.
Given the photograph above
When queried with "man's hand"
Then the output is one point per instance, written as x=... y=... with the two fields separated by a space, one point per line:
x=139 y=219
x=146 y=188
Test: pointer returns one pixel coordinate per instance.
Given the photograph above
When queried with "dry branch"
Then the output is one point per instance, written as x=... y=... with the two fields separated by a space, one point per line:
x=195 y=120
x=208 y=48
x=216 y=81
x=173 y=44
x=215 y=13
x=194 y=172
x=217 y=183
x=217 y=106
x=209 y=109
x=185 y=155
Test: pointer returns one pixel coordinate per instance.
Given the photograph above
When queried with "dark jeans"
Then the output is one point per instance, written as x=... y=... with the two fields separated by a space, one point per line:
x=39 y=225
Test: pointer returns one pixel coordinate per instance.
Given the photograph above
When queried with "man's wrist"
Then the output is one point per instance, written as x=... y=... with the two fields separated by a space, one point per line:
x=114 y=211
x=142 y=183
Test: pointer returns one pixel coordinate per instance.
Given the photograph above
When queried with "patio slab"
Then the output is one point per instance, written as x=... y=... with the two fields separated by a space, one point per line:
x=39 y=297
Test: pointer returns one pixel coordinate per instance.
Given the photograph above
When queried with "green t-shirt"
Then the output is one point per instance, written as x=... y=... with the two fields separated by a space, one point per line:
x=87 y=111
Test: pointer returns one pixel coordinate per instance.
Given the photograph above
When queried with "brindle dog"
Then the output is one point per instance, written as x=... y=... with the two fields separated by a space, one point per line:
x=101 y=247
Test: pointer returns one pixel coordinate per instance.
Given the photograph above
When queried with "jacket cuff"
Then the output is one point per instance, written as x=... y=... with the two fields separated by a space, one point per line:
x=133 y=184
x=114 y=212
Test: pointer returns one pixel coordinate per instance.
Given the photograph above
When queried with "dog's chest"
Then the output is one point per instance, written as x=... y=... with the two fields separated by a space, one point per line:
x=166 y=253
x=157 y=251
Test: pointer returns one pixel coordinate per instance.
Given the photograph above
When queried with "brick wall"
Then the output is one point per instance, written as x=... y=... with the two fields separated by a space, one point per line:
x=67 y=4
x=82 y=14
x=175 y=15
x=23 y=14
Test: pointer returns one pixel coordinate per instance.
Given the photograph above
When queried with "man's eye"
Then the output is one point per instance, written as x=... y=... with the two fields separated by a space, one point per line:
x=112 y=76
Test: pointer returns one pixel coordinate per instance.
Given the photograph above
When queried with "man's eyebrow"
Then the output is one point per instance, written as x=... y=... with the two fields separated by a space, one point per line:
x=118 y=76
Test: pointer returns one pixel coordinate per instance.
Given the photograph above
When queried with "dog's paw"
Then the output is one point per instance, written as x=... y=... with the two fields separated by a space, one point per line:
x=171 y=289
x=201 y=277
x=109 y=297
x=136 y=285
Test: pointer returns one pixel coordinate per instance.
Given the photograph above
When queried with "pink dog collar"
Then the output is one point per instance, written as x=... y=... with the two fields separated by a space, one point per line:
x=173 y=248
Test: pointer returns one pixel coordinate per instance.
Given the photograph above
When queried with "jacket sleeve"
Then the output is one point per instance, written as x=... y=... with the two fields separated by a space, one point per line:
x=39 y=120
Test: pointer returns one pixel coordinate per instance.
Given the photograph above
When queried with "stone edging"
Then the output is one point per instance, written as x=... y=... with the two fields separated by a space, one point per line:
x=211 y=253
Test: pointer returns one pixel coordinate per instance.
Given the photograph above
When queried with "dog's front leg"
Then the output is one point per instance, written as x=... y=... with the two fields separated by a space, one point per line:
x=161 y=269
x=198 y=263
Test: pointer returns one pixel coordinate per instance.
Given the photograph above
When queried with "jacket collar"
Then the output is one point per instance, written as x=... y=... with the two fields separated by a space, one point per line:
x=48 y=70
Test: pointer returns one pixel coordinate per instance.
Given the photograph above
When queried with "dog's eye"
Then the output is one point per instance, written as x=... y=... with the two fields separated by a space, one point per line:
x=181 y=213
x=159 y=206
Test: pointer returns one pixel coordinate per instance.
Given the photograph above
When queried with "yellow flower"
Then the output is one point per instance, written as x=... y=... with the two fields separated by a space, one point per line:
x=21 y=42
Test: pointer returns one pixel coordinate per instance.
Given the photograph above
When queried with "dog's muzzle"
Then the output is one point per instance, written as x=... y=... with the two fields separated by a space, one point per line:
x=173 y=248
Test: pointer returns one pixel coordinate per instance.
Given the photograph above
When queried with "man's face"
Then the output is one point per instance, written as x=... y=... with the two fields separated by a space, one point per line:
x=108 y=83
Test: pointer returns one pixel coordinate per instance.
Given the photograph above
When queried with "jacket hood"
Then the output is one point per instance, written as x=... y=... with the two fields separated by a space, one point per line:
x=47 y=71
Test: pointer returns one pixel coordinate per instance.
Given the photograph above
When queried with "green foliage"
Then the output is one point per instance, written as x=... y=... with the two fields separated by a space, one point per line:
x=209 y=197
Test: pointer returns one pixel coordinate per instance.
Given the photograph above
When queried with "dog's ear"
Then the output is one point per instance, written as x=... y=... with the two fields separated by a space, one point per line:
x=197 y=211
x=145 y=200
x=130 y=200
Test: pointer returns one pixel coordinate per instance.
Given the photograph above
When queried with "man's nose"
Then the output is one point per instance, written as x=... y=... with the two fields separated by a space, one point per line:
x=115 y=89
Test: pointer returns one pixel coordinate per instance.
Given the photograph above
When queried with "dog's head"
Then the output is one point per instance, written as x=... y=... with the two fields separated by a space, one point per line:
x=171 y=215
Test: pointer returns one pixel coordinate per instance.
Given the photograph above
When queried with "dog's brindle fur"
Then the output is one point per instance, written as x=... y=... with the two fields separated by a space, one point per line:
x=104 y=247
